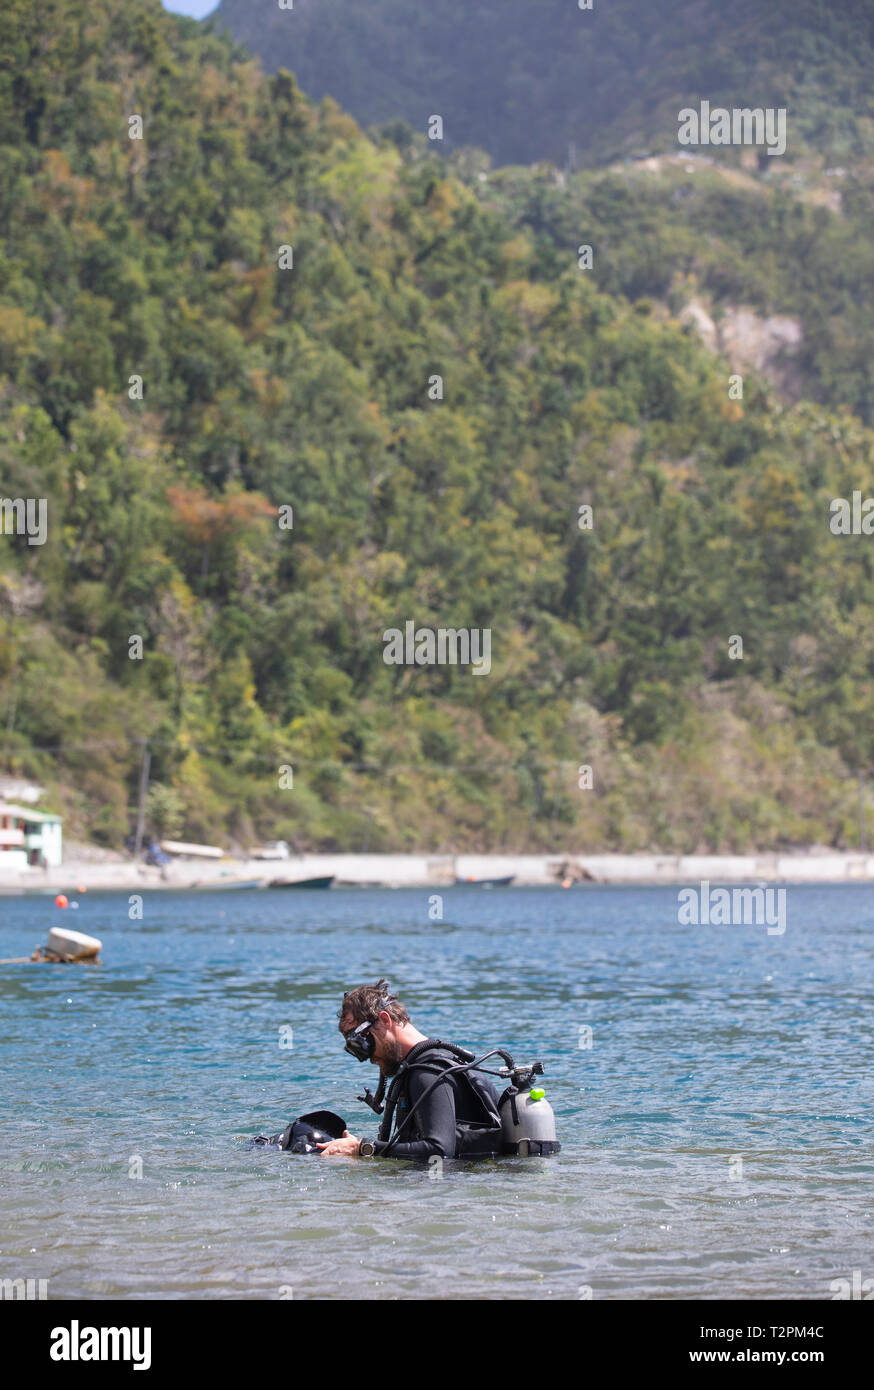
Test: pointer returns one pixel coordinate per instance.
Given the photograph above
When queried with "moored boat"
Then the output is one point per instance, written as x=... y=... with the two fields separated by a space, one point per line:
x=204 y=886
x=302 y=882
x=484 y=882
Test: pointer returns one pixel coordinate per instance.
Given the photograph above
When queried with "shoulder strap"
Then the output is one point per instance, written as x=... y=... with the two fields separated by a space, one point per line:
x=417 y=1057
x=460 y=1054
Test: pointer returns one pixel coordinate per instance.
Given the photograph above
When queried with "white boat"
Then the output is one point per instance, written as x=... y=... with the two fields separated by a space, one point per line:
x=180 y=850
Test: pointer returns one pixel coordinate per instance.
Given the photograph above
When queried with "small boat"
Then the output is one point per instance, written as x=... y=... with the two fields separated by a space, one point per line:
x=302 y=882
x=178 y=849
x=222 y=884
x=484 y=882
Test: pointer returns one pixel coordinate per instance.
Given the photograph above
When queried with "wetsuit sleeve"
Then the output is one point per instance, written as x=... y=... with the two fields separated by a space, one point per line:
x=434 y=1120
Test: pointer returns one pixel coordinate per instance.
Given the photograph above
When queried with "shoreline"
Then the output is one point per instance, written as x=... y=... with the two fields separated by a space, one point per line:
x=441 y=871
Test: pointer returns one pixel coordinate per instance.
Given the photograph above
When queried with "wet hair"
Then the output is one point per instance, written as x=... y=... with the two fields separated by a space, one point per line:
x=365 y=1003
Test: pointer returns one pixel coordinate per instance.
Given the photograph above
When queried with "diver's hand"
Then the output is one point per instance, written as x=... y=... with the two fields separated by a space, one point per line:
x=347 y=1145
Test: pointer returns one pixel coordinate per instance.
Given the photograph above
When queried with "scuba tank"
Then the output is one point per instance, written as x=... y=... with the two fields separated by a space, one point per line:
x=527 y=1118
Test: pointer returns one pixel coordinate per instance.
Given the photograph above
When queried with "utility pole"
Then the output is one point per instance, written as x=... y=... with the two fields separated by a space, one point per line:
x=144 y=787
x=862 y=844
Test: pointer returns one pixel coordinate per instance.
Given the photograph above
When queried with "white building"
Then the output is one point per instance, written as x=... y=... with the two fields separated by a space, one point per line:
x=29 y=838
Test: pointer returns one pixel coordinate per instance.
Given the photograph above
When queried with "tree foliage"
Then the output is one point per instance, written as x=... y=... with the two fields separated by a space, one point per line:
x=310 y=388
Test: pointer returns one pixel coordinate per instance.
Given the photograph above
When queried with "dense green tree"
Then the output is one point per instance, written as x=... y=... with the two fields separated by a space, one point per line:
x=427 y=398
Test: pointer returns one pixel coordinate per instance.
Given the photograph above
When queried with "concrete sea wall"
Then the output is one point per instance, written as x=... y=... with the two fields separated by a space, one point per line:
x=422 y=870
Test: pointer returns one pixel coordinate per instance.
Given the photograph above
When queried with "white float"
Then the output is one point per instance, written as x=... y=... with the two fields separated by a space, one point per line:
x=72 y=945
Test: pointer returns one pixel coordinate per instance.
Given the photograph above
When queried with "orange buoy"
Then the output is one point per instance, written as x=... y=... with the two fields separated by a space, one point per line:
x=61 y=901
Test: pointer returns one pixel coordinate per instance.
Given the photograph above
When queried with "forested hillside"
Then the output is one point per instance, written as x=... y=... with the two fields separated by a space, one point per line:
x=265 y=388
x=682 y=232
x=529 y=79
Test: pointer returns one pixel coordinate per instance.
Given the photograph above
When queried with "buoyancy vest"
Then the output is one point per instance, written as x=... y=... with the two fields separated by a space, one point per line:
x=478 y=1132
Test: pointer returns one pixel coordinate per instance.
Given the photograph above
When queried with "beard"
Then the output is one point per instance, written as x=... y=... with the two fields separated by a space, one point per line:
x=394 y=1055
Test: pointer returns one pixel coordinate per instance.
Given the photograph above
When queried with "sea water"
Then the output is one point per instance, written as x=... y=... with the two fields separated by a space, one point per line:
x=712 y=1086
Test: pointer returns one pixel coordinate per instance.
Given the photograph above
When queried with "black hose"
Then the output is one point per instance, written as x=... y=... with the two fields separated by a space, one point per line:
x=459 y=1066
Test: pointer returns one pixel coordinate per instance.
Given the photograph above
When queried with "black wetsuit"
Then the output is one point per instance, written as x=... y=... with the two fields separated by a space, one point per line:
x=458 y=1119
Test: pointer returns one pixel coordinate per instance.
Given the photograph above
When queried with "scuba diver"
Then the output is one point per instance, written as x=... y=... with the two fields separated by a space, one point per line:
x=439 y=1101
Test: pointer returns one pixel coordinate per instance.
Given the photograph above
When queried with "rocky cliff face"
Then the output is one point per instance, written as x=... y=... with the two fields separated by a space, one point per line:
x=752 y=342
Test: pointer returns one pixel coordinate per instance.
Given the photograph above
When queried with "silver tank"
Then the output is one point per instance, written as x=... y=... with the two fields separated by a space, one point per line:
x=528 y=1122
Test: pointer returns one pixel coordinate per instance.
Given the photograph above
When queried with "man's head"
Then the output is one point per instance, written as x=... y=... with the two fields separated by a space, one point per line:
x=390 y=1027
